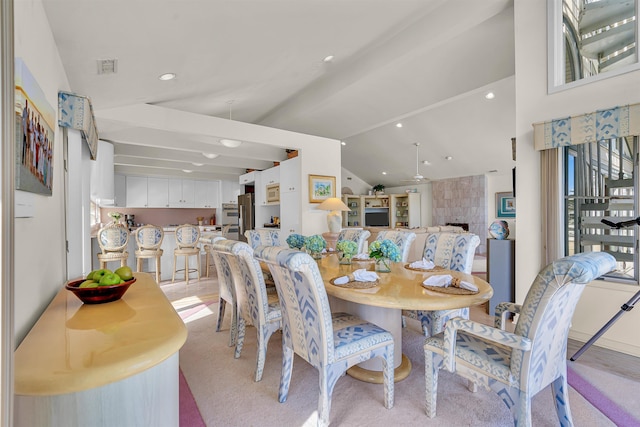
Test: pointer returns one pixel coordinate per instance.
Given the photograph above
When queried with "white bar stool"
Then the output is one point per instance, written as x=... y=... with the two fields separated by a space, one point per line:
x=149 y=239
x=187 y=239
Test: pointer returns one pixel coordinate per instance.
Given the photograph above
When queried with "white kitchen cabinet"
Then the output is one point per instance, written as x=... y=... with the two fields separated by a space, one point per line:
x=157 y=192
x=206 y=194
x=270 y=176
x=247 y=178
x=290 y=175
x=181 y=193
x=230 y=192
x=290 y=197
x=120 y=190
x=136 y=191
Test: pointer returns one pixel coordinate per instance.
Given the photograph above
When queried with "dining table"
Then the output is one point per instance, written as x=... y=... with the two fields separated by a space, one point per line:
x=382 y=304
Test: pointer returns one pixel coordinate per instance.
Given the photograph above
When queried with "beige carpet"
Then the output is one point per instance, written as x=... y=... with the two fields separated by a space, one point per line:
x=227 y=395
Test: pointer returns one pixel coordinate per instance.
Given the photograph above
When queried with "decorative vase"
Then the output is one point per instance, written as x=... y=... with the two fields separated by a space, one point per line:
x=383 y=265
x=343 y=259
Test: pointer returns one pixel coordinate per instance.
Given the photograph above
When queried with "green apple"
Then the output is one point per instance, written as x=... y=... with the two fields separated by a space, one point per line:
x=109 y=279
x=125 y=273
x=98 y=274
x=88 y=284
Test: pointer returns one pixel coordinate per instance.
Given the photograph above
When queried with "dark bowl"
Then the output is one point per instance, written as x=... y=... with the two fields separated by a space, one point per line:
x=100 y=294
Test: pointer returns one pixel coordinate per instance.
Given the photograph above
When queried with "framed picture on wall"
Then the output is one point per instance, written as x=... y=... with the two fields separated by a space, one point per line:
x=321 y=188
x=505 y=205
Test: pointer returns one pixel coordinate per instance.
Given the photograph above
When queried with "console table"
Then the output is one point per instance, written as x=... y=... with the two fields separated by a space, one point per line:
x=501 y=271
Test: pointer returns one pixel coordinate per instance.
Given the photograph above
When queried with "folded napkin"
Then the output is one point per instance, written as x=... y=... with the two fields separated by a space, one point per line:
x=360 y=256
x=444 y=281
x=423 y=263
x=360 y=275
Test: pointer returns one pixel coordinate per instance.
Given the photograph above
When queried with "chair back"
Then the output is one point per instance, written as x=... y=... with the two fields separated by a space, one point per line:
x=404 y=240
x=149 y=237
x=453 y=251
x=306 y=316
x=257 y=238
x=113 y=237
x=225 y=271
x=359 y=236
x=187 y=236
x=545 y=316
x=250 y=289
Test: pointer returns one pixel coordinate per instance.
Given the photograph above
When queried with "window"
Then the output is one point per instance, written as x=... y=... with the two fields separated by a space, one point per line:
x=601 y=200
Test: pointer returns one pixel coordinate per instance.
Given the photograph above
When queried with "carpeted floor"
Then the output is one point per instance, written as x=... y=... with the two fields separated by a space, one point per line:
x=226 y=394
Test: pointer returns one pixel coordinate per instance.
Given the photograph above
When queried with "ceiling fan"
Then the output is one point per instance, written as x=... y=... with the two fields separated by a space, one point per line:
x=418 y=176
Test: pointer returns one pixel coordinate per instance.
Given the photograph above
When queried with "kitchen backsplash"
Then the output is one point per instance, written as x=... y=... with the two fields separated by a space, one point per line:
x=161 y=216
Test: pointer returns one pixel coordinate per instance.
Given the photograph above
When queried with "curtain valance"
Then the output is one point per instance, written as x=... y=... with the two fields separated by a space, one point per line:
x=603 y=124
x=75 y=111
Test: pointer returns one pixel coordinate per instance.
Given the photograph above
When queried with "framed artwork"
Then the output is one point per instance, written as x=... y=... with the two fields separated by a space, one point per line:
x=321 y=188
x=35 y=121
x=505 y=205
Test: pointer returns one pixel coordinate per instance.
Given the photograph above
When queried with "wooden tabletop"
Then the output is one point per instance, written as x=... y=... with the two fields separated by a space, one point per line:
x=75 y=347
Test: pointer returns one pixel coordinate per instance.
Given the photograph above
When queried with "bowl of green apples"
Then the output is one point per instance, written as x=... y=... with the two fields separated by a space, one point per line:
x=103 y=285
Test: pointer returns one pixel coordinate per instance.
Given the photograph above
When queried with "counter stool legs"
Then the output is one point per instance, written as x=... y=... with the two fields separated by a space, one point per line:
x=158 y=272
x=186 y=266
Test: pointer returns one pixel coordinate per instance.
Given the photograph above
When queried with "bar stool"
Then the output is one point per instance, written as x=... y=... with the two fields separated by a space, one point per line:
x=113 y=239
x=187 y=241
x=149 y=239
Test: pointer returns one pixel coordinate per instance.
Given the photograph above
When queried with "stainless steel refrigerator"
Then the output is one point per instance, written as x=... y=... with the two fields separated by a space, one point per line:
x=246 y=214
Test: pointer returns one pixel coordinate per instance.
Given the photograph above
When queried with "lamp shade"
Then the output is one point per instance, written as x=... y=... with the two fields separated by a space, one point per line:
x=333 y=204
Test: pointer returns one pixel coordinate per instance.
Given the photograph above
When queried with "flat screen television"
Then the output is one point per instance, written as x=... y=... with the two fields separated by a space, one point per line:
x=376 y=219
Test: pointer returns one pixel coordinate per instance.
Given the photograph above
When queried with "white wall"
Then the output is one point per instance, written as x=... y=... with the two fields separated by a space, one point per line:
x=39 y=256
x=356 y=185
x=500 y=184
x=600 y=300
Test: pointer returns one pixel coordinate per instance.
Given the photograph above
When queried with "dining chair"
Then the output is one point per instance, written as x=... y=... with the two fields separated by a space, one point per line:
x=518 y=365
x=207 y=243
x=452 y=251
x=404 y=240
x=256 y=306
x=330 y=342
x=149 y=239
x=113 y=239
x=257 y=238
x=227 y=294
x=187 y=245
x=359 y=236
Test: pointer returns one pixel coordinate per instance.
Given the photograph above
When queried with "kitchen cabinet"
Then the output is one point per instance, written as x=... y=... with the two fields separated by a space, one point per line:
x=290 y=198
x=230 y=192
x=248 y=178
x=136 y=191
x=206 y=194
x=120 y=190
x=290 y=175
x=270 y=176
x=181 y=193
x=157 y=192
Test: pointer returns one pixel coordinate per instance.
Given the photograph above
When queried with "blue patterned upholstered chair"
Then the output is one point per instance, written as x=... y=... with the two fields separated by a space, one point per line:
x=518 y=365
x=404 y=240
x=453 y=251
x=256 y=306
x=207 y=242
x=227 y=292
x=257 y=238
x=113 y=239
x=187 y=244
x=149 y=239
x=356 y=235
x=330 y=342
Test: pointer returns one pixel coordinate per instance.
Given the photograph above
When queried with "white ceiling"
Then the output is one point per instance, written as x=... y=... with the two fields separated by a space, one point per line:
x=426 y=63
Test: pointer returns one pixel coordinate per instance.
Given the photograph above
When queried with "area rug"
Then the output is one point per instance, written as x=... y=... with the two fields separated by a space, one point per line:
x=189 y=413
x=227 y=395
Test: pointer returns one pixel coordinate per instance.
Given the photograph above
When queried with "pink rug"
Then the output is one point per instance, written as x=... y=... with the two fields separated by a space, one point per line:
x=189 y=412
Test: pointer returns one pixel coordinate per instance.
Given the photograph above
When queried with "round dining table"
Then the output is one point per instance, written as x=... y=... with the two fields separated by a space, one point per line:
x=382 y=304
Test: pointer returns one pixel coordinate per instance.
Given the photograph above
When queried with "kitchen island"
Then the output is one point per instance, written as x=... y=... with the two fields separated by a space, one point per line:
x=101 y=365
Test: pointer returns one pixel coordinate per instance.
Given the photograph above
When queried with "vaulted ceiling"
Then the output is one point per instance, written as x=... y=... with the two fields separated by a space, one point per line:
x=427 y=64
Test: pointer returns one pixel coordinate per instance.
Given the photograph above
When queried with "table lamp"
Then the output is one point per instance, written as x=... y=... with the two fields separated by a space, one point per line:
x=334 y=218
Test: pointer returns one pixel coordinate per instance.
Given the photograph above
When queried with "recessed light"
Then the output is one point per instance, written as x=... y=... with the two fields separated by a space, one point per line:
x=167 y=76
x=231 y=143
x=426 y=162
x=384 y=173
x=198 y=164
x=343 y=143
x=493 y=171
x=448 y=158
x=210 y=155
x=187 y=170
x=328 y=58
x=490 y=95
x=398 y=125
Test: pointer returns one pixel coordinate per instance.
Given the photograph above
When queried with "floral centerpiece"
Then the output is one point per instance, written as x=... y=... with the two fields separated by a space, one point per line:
x=346 y=250
x=384 y=251
x=315 y=244
x=116 y=216
x=295 y=241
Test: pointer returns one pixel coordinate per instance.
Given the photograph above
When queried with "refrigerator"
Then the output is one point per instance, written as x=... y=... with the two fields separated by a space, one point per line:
x=246 y=214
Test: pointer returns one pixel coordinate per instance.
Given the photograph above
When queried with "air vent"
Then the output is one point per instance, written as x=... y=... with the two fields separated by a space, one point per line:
x=107 y=66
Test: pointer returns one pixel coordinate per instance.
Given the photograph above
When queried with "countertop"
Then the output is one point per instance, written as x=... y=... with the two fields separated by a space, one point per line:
x=75 y=347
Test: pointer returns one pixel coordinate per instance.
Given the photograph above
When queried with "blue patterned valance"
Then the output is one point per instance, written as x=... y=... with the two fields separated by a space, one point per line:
x=603 y=124
x=75 y=111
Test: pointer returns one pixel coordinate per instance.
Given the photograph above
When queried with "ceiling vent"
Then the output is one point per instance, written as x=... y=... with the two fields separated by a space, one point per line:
x=107 y=66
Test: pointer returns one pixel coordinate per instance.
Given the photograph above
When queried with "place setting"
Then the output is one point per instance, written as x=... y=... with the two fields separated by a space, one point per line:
x=447 y=284
x=423 y=265
x=359 y=279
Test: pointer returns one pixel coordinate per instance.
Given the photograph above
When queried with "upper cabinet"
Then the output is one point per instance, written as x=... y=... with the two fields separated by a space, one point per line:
x=230 y=192
x=120 y=190
x=181 y=193
x=137 y=191
x=206 y=194
x=247 y=178
x=157 y=192
x=290 y=175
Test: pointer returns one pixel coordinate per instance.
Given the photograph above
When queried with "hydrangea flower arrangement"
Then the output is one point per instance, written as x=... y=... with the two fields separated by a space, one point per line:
x=295 y=241
x=384 y=249
x=348 y=247
x=315 y=244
